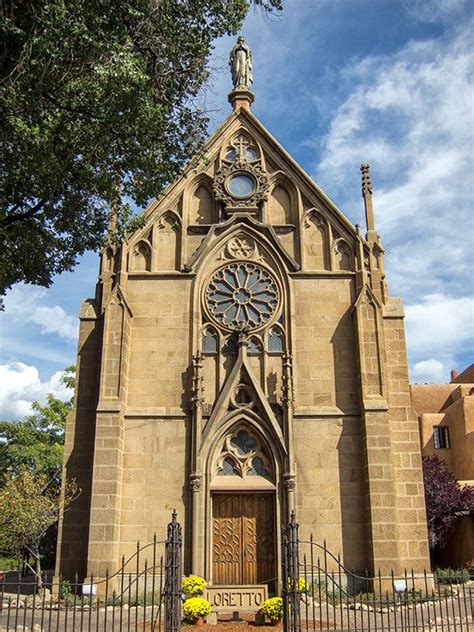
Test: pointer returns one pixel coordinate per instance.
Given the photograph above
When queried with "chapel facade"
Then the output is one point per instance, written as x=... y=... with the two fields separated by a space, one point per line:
x=243 y=359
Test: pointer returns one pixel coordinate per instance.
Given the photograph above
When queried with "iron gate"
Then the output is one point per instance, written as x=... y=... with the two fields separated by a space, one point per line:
x=143 y=594
x=320 y=593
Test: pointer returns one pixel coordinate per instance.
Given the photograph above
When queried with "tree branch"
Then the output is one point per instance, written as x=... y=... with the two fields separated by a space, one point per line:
x=19 y=217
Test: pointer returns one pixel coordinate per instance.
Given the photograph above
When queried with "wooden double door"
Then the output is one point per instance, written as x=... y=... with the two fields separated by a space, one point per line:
x=243 y=534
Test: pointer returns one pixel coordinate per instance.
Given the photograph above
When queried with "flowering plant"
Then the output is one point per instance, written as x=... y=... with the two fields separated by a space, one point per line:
x=302 y=586
x=193 y=585
x=469 y=566
x=272 y=609
x=196 y=608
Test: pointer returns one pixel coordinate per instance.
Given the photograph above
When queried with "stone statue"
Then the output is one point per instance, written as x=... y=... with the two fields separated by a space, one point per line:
x=240 y=62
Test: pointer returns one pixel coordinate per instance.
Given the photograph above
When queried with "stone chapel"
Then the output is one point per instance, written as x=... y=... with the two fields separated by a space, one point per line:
x=242 y=358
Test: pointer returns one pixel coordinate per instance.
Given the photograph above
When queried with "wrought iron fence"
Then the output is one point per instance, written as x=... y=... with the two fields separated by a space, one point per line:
x=143 y=594
x=320 y=594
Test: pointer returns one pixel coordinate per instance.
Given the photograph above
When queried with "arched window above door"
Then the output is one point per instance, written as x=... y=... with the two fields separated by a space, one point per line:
x=244 y=456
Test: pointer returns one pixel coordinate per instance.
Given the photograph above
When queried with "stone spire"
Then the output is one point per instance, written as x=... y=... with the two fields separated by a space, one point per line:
x=241 y=66
x=371 y=235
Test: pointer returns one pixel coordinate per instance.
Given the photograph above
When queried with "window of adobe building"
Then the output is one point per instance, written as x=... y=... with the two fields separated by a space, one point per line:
x=441 y=437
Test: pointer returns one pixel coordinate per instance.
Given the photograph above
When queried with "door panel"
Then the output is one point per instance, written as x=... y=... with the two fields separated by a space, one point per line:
x=227 y=539
x=249 y=530
x=243 y=538
x=259 y=567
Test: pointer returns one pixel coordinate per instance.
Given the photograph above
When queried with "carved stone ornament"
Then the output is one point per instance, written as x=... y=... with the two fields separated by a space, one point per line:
x=195 y=482
x=241 y=185
x=242 y=397
x=241 y=247
x=290 y=483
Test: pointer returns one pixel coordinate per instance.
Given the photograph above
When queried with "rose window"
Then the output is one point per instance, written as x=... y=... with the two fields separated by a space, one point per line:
x=242 y=296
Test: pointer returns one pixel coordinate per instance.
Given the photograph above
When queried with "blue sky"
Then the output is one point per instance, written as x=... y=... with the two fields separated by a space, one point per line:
x=337 y=82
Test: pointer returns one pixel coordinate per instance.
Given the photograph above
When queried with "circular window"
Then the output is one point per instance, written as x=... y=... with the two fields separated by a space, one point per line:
x=241 y=185
x=242 y=397
x=242 y=296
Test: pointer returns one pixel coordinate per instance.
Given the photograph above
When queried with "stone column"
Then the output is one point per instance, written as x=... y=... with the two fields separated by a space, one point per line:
x=196 y=477
x=73 y=529
x=381 y=518
x=105 y=519
x=289 y=476
x=409 y=491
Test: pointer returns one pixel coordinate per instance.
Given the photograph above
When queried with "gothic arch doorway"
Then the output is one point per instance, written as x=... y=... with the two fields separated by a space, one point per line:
x=243 y=500
x=243 y=534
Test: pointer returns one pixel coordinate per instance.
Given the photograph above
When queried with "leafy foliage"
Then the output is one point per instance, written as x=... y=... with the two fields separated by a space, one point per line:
x=444 y=498
x=98 y=106
x=36 y=442
x=469 y=566
x=452 y=576
x=28 y=507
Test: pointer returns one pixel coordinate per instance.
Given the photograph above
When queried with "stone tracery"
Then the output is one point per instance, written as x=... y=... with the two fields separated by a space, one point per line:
x=243 y=455
x=242 y=296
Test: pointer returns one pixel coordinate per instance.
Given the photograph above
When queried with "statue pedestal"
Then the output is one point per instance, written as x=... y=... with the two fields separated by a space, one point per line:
x=241 y=98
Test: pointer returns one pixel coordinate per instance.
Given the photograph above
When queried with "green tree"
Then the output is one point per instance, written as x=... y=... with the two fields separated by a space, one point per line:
x=98 y=106
x=36 y=442
x=29 y=506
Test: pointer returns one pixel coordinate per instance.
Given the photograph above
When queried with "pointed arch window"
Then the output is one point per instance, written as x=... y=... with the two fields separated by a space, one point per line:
x=254 y=347
x=276 y=341
x=243 y=455
x=210 y=341
x=230 y=345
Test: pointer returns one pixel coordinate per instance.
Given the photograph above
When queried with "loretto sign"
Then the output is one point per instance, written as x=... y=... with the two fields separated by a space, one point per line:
x=239 y=598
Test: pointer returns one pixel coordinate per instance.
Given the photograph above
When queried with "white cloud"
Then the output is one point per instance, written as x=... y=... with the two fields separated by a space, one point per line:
x=23 y=305
x=440 y=324
x=411 y=116
x=434 y=10
x=22 y=385
x=438 y=328
x=430 y=371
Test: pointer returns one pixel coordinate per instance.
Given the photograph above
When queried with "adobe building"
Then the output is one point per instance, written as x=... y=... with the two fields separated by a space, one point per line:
x=242 y=358
x=446 y=424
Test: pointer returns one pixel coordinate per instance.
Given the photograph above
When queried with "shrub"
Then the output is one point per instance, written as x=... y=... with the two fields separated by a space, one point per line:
x=469 y=566
x=452 y=576
x=365 y=597
x=65 y=589
x=272 y=609
x=444 y=498
x=193 y=585
x=196 y=608
x=8 y=563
